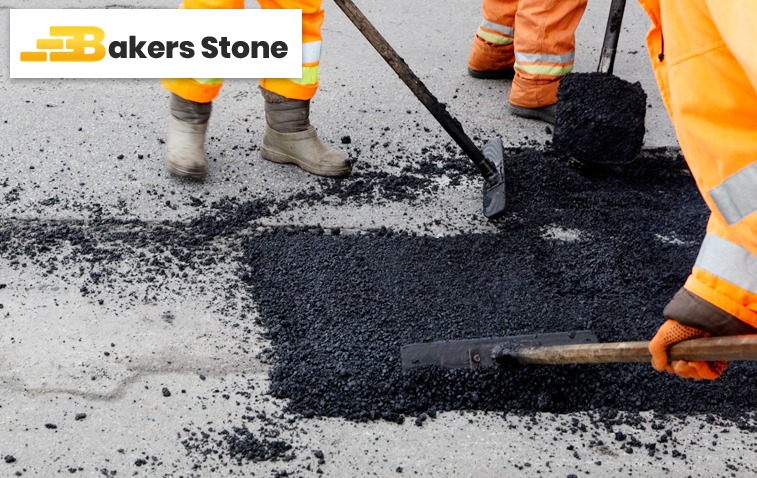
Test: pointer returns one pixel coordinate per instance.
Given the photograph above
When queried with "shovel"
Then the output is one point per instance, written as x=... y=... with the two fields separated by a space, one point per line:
x=612 y=34
x=490 y=161
x=580 y=347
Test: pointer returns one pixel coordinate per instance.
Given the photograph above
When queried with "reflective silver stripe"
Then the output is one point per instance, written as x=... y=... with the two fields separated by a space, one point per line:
x=498 y=28
x=311 y=52
x=728 y=261
x=538 y=57
x=736 y=197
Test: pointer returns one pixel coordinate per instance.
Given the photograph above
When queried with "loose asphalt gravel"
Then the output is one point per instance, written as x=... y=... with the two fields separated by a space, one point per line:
x=584 y=247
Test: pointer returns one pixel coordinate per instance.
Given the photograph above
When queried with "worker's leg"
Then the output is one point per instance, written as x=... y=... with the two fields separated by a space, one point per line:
x=708 y=75
x=289 y=137
x=199 y=90
x=190 y=111
x=312 y=18
x=492 y=53
x=545 y=46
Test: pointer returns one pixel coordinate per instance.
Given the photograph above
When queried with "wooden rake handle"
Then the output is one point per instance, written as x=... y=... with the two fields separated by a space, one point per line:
x=737 y=347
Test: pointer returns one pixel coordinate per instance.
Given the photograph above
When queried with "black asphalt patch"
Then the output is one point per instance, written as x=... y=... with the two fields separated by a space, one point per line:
x=598 y=249
x=580 y=247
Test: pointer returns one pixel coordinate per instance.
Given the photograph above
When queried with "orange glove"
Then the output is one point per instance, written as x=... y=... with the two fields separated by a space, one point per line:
x=671 y=332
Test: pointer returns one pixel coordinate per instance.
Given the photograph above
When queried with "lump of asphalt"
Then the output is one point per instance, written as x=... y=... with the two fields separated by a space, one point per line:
x=599 y=118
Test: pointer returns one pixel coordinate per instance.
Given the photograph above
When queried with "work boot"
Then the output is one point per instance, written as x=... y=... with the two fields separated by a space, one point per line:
x=544 y=113
x=289 y=138
x=490 y=61
x=187 y=125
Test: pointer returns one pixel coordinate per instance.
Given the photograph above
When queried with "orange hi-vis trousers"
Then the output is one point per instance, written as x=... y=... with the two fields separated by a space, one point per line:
x=536 y=37
x=704 y=54
x=204 y=90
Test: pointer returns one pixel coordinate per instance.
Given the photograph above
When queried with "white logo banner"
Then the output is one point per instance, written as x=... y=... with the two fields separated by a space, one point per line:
x=116 y=43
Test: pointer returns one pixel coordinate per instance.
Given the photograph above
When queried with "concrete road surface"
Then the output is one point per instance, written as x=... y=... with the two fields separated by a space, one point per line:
x=153 y=367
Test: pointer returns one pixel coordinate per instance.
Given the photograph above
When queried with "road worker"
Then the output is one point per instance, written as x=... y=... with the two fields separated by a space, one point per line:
x=531 y=41
x=704 y=54
x=288 y=138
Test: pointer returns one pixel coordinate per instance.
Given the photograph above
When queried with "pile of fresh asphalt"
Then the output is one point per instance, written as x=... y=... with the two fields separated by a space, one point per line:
x=599 y=118
x=581 y=248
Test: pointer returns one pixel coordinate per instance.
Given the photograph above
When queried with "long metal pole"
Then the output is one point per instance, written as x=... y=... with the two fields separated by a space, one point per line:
x=612 y=35
x=450 y=124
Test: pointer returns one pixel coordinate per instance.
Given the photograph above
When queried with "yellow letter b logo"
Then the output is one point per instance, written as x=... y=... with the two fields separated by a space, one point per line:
x=79 y=43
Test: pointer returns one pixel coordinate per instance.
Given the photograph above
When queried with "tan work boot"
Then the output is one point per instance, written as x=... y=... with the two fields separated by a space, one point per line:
x=185 y=149
x=289 y=138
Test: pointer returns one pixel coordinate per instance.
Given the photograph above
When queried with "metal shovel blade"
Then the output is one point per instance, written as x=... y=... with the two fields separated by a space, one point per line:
x=494 y=191
x=477 y=353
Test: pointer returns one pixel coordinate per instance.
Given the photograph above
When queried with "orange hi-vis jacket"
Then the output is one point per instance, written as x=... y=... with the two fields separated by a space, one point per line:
x=704 y=54
x=204 y=90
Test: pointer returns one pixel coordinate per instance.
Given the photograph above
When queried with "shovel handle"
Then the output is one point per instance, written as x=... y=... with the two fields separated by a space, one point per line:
x=419 y=89
x=737 y=347
x=612 y=34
